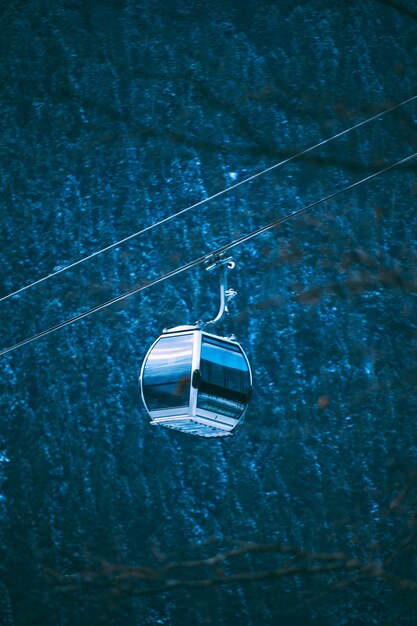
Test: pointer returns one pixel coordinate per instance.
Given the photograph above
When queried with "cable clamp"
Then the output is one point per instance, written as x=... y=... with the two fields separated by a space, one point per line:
x=213 y=262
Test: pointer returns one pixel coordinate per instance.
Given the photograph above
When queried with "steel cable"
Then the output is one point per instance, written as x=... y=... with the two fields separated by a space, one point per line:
x=207 y=200
x=207 y=257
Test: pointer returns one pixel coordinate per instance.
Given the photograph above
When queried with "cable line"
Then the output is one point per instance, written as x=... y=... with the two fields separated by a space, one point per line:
x=207 y=200
x=206 y=257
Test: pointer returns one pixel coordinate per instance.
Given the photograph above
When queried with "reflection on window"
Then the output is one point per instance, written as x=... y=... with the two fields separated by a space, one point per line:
x=167 y=373
x=225 y=385
x=216 y=403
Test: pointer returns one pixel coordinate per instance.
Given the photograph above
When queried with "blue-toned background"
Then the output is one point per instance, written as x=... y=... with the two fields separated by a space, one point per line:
x=114 y=115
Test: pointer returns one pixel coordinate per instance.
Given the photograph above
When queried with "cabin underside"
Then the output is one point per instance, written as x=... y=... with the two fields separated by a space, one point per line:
x=193 y=426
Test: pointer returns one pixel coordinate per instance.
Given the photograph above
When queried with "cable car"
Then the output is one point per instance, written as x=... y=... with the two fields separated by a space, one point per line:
x=196 y=381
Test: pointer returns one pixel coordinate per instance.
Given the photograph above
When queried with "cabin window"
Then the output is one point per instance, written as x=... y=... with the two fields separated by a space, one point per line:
x=167 y=373
x=225 y=378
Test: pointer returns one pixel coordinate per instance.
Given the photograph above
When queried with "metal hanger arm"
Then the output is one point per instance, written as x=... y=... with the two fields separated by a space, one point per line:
x=225 y=294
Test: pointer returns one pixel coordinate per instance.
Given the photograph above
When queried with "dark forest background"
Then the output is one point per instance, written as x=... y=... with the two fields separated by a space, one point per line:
x=115 y=114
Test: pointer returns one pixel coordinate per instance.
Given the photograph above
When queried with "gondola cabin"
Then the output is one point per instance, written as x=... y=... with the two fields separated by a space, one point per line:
x=196 y=382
